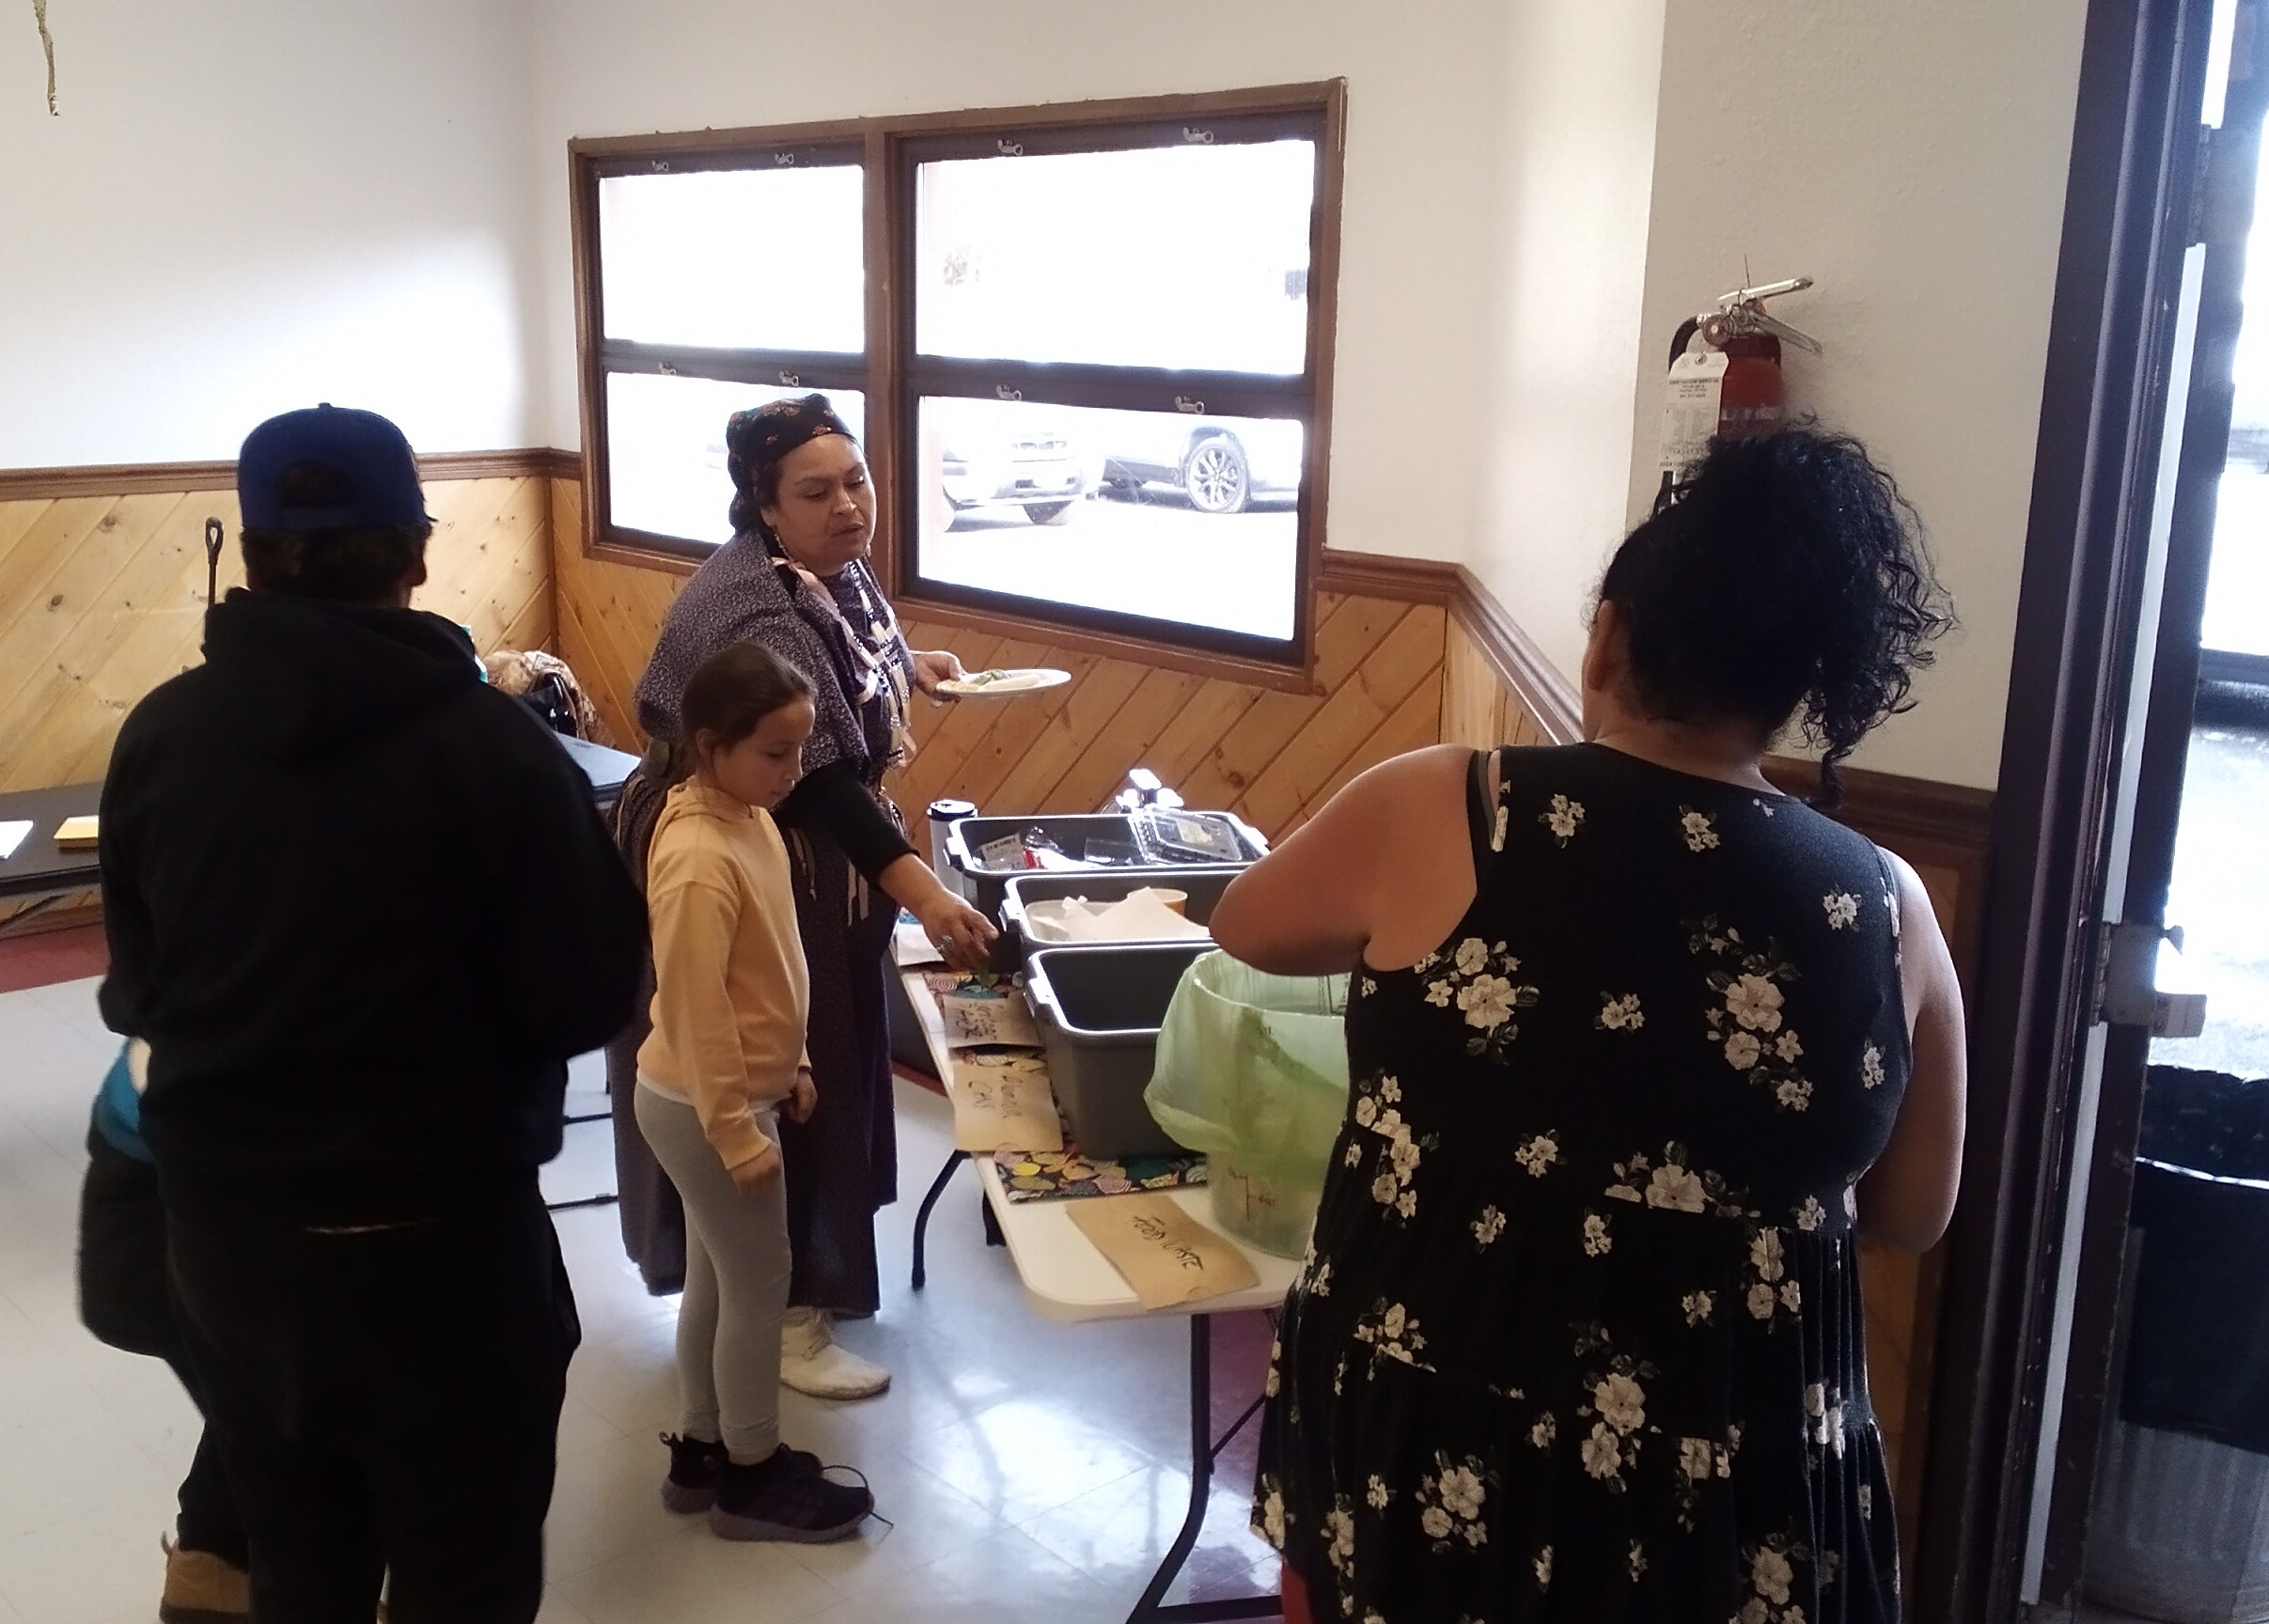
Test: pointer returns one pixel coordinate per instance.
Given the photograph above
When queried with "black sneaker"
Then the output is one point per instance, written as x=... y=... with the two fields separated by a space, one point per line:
x=786 y=1497
x=694 y=1465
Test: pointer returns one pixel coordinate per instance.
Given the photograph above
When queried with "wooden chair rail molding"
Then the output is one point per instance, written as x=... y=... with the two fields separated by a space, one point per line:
x=141 y=478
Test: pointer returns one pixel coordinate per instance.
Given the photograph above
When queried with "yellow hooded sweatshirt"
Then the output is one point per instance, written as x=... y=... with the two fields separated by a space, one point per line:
x=731 y=991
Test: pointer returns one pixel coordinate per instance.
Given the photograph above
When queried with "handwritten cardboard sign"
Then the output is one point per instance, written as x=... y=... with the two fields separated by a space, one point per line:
x=1166 y=1254
x=1004 y=1101
x=981 y=1015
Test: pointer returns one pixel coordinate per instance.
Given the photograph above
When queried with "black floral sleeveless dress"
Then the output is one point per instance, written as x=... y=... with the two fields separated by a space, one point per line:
x=1579 y=1337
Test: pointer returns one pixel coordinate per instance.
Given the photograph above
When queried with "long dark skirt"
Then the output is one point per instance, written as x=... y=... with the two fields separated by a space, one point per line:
x=842 y=1166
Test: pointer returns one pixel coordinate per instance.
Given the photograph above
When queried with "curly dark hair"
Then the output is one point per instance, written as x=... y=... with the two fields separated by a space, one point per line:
x=1785 y=579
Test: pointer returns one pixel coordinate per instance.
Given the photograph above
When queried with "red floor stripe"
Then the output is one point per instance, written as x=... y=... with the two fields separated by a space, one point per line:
x=44 y=958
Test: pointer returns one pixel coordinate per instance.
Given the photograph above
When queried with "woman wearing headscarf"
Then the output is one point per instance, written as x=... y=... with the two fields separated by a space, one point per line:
x=794 y=578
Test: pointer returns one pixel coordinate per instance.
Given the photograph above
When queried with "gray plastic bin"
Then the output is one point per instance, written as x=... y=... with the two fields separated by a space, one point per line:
x=1099 y=1009
x=1204 y=886
x=986 y=887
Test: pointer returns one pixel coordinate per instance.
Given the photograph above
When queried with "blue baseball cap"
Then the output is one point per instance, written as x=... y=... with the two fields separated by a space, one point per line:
x=376 y=484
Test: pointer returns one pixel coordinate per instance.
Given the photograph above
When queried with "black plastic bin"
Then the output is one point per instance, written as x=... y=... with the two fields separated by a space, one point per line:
x=1203 y=887
x=986 y=886
x=1099 y=1009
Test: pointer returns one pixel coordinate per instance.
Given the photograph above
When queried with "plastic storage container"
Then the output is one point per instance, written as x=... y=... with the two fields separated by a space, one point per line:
x=1203 y=886
x=1099 y=1009
x=985 y=885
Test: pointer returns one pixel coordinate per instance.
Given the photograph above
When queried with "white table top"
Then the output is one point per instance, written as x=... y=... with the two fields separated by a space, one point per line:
x=1064 y=1276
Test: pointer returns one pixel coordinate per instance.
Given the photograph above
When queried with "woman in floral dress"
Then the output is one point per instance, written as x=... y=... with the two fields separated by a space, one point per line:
x=1639 y=1048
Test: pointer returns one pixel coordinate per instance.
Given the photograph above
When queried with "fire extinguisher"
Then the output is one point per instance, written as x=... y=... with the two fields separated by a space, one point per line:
x=1724 y=379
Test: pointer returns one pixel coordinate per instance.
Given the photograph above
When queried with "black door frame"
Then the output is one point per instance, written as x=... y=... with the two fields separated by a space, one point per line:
x=2221 y=221
x=2126 y=219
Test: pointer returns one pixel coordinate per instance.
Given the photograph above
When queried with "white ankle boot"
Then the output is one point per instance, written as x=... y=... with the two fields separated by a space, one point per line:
x=813 y=1362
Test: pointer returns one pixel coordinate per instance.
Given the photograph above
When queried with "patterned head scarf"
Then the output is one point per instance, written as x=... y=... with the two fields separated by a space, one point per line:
x=757 y=440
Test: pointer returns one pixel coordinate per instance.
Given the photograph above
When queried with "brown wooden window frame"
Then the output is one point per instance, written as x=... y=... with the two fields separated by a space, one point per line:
x=895 y=379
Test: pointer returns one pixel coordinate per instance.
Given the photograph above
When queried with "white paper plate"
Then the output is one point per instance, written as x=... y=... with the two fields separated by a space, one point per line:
x=1004 y=684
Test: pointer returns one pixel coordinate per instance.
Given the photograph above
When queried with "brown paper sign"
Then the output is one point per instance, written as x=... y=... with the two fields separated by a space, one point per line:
x=977 y=1016
x=1166 y=1254
x=1004 y=1101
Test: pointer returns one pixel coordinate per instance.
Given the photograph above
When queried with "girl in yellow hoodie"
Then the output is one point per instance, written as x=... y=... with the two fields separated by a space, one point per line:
x=725 y=1061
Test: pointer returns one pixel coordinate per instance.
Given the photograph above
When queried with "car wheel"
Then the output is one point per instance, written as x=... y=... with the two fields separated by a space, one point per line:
x=1216 y=476
x=1049 y=512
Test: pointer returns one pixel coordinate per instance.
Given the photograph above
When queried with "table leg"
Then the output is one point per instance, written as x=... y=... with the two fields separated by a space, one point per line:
x=1202 y=1450
x=921 y=1219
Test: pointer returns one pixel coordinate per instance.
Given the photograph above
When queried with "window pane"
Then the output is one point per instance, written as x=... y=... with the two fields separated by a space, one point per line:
x=665 y=449
x=1192 y=520
x=736 y=259
x=1178 y=256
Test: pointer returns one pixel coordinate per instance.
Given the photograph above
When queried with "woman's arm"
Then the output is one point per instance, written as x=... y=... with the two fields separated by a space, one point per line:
x=958 y=932
x=831 y=800
x=1385 y=871
x=1908 y=1197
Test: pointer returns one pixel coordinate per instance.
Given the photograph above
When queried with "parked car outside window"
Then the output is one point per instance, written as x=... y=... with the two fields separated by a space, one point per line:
x=1017 y=455
x=1222 y=464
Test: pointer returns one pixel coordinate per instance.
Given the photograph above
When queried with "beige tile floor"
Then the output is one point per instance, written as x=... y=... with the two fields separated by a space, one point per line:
x=1033 y=1472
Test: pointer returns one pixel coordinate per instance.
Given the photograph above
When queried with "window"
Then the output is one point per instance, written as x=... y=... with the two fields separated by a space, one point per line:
x=1086 y=348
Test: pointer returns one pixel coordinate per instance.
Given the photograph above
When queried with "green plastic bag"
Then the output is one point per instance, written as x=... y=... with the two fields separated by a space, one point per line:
x=1252 y=1069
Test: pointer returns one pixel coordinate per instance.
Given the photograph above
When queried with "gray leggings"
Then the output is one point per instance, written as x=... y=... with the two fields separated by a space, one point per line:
x=736 y=1284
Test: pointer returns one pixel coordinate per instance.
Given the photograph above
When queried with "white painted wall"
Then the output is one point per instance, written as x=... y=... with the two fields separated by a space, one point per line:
x=250 y=205
x=1911 y=155
x=1426 y=108
x=1576 y=152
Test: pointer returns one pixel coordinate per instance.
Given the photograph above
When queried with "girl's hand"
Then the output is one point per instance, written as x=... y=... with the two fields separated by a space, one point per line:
x=802 y=1098
x=751 y=1176
x=932 y=666
x=960 y=933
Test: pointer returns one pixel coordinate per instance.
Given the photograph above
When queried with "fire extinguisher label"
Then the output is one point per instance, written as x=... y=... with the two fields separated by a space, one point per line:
x=1690 y=400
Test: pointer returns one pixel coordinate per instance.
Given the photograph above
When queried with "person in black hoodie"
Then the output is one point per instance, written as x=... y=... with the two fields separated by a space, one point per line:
x=361 y=908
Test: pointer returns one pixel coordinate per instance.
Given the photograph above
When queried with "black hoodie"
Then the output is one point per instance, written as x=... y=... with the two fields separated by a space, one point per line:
x=361 y=907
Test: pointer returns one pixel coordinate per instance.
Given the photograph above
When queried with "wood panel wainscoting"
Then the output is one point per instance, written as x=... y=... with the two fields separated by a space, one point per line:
x=103 y=589
x=1266 y=753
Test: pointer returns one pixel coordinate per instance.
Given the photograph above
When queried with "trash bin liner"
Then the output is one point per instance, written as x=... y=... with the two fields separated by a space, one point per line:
x=2209 y=1120
x=2198 y=1347
x=1252 y=1069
